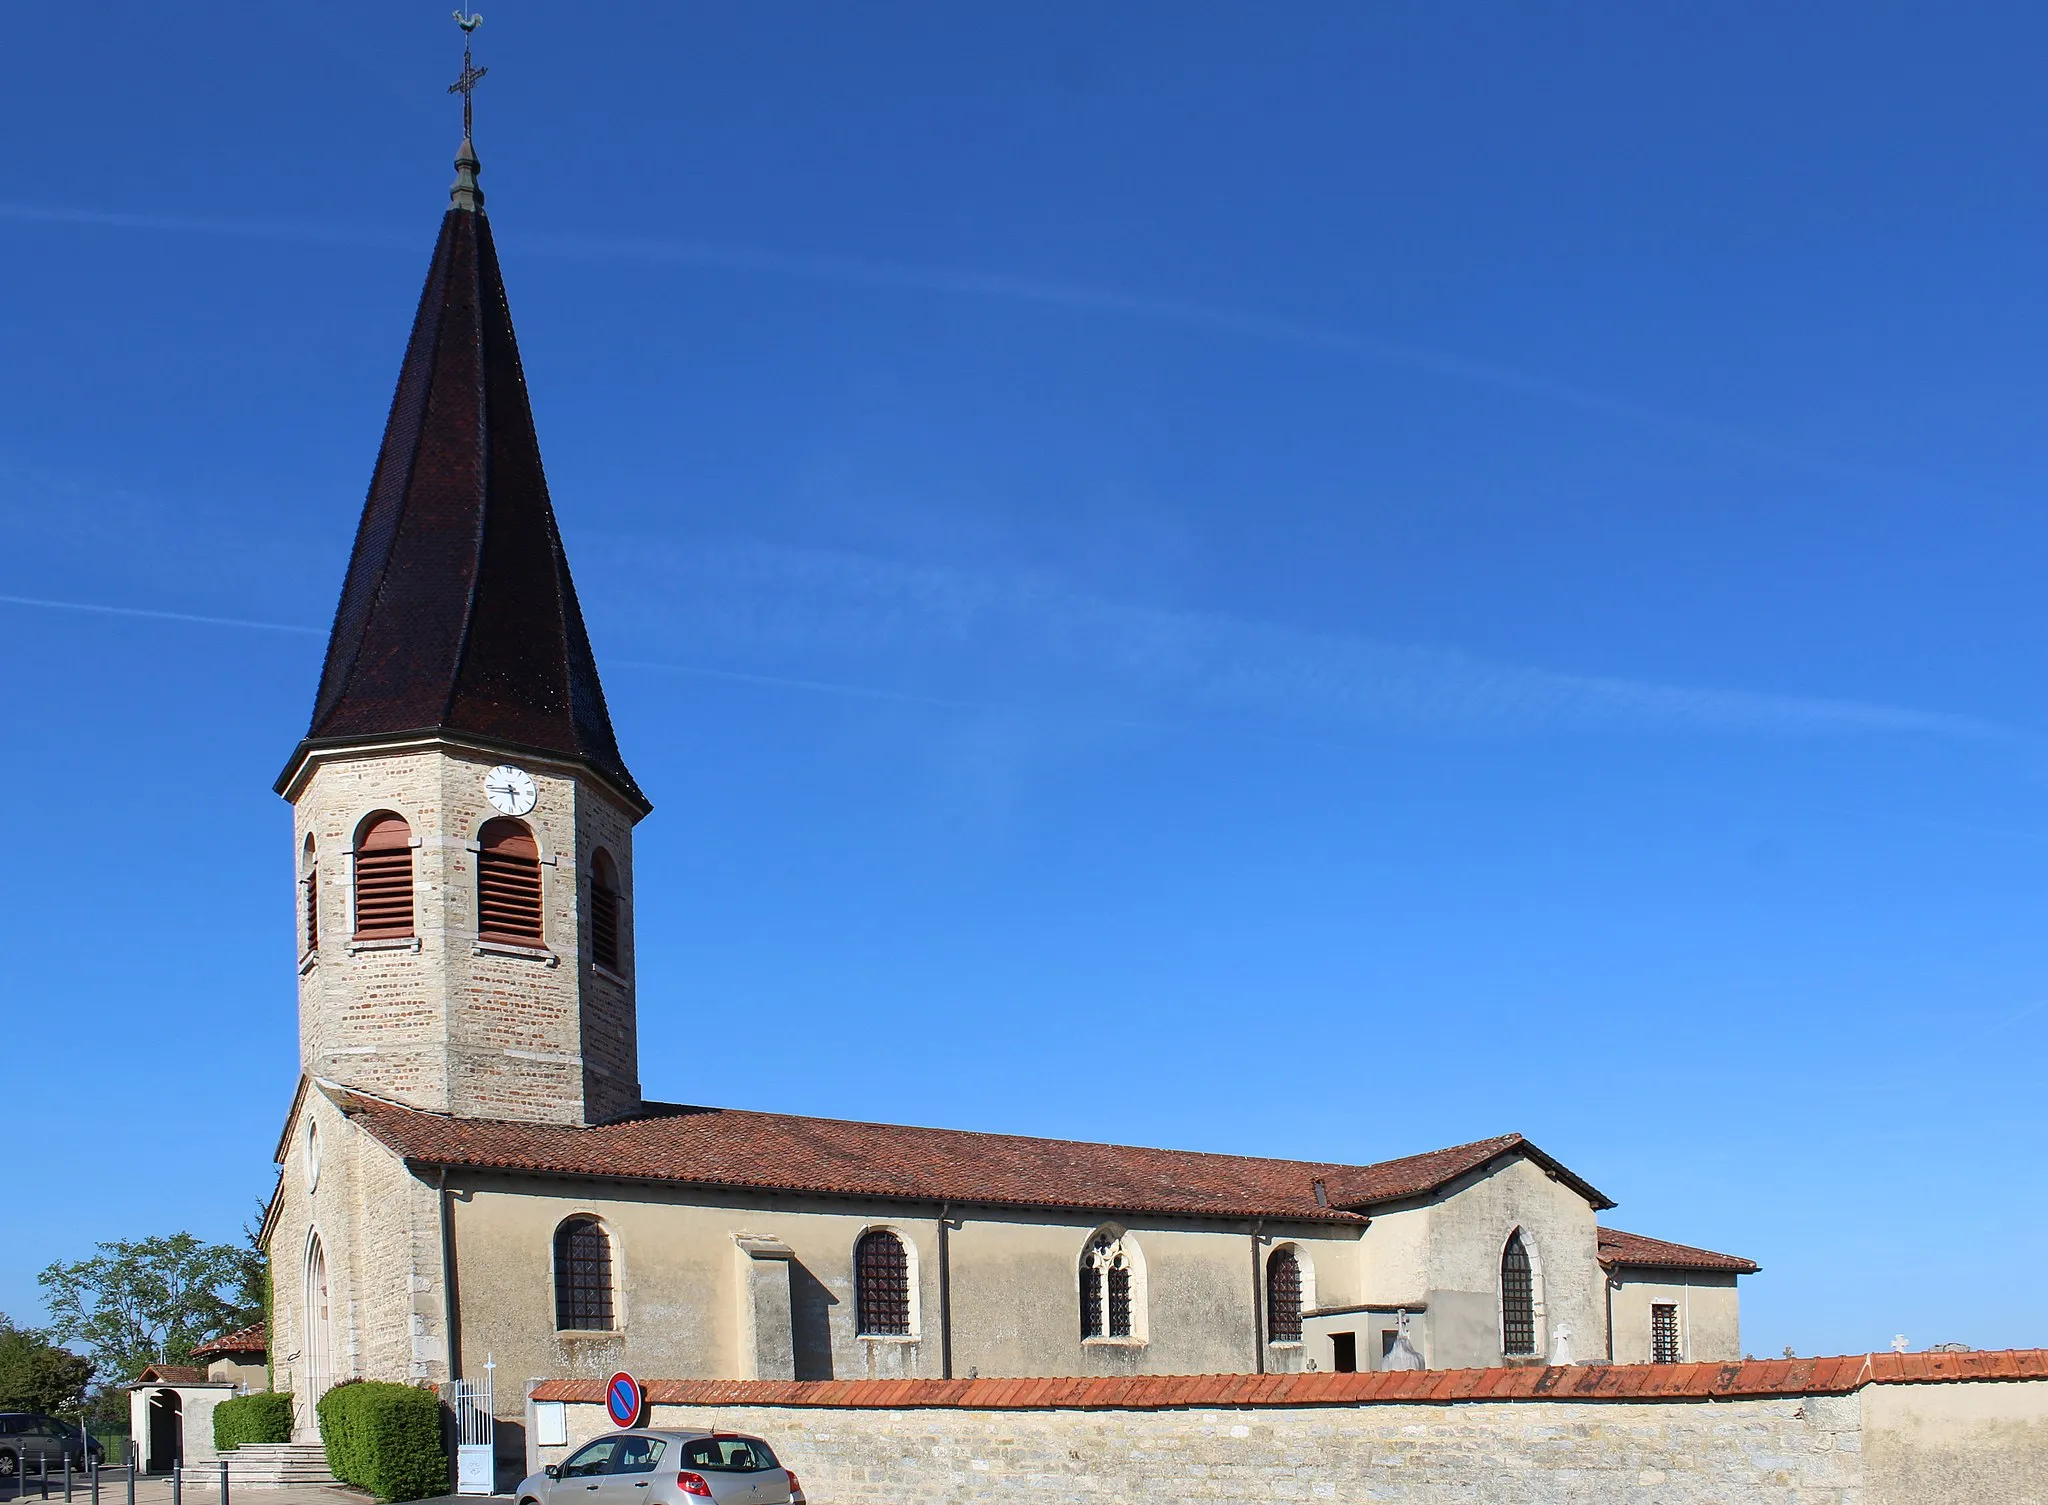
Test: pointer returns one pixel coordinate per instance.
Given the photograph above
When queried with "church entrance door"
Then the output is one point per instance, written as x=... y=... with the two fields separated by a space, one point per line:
x=319 y=1364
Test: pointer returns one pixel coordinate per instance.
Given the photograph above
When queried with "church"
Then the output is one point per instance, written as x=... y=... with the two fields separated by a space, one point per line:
x=469 y=1167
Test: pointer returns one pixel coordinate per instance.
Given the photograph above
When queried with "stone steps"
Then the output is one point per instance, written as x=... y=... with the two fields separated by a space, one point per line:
x=278 y=1465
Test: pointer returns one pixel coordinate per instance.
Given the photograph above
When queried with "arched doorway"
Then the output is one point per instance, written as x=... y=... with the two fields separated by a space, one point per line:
x=319 y=1365
x=166 y=1432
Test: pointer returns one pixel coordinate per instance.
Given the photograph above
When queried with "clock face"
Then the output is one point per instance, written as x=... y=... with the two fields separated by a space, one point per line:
x=510 y=789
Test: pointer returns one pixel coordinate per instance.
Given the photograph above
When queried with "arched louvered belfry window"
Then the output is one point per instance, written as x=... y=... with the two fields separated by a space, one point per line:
x=605 y=905
x=881 y=1283
x=1517 y=1299
x=309 y=897
x=384 y=878
x=508 y=884
x=1283 y=1296
x=583 y=1276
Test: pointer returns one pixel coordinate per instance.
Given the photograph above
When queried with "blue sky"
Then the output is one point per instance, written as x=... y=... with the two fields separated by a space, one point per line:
x=1319 y=582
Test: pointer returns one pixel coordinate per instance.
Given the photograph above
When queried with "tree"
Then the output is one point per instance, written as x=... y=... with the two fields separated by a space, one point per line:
x=37 y=1375
x=150 y=1301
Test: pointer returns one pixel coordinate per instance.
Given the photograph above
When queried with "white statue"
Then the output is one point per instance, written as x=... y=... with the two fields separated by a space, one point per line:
x=1402 y=1354
x=1561 y=1345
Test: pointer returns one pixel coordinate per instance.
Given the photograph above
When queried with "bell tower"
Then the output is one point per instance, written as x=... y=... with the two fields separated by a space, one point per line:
x=462 y=819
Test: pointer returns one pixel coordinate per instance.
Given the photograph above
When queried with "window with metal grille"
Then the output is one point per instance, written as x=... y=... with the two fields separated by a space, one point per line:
x=604 y=911
x=384 y=878
x=881 y=1284
x=1283 y=1297
x=309 y=895
x=1664 y=1334
x=1106 y=1288
x=508 y=884
x=1517 y=1300
x=583 y=1276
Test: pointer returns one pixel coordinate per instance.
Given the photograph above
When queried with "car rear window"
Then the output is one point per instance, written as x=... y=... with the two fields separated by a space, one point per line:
x=728 y=1455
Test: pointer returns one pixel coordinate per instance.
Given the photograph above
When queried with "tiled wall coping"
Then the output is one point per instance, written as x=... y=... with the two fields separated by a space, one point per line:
x=1752 y=1378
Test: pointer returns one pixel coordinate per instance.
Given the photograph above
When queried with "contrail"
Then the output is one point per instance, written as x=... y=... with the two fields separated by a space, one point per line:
x=161 y=616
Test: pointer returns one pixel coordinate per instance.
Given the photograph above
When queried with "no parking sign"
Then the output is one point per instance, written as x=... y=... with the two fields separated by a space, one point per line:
x=624 y=1400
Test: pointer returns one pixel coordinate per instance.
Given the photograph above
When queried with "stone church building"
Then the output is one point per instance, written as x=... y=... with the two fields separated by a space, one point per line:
x=469 y=1166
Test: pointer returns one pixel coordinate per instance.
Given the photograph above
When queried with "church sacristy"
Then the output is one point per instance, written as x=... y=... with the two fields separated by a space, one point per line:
x=469 y=1167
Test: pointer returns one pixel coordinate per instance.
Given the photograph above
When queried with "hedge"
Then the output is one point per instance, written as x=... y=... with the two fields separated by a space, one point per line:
x=252 y=1418
x=385 y=1439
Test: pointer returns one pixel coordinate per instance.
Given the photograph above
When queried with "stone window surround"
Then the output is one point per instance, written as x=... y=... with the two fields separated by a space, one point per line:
x=1538 y=1317
x=618 y=1251
x=911 y=1270
x=1307 y=1268
x=1141 y=1325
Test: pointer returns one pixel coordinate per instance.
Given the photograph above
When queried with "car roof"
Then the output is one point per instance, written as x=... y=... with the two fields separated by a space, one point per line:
x=680 y=1434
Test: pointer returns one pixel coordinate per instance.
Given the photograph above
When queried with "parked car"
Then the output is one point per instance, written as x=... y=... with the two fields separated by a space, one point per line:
x=665 y=1468
x=31 y=1435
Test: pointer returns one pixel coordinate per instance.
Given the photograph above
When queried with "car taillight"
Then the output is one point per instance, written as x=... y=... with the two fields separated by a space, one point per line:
x=796 y=1490
x=693 y=1484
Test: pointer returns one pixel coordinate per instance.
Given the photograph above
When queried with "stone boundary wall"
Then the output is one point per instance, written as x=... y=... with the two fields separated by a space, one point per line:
x=1965 y=1429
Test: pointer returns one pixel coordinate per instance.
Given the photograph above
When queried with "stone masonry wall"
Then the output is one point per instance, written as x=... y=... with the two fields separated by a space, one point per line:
x=1879 y=1429
x=1685 y=1453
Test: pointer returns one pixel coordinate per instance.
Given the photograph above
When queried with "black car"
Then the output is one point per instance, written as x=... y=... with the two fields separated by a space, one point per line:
x=31 y=1435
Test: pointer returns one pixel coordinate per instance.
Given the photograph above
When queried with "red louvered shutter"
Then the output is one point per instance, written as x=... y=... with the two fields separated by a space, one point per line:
x=384 y=879
x=508 y=884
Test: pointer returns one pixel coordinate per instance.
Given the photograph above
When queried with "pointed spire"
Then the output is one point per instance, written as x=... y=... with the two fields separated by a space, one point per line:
x=458 y=617
x=463 y=193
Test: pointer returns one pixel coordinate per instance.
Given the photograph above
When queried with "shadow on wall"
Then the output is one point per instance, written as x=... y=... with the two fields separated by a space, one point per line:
x=810 y=1322
x=508 y=1452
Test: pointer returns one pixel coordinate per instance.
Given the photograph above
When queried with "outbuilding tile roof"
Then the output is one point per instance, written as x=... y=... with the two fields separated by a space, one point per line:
x=731 y=1147
x=1618 y=1248
x=1751 y=1378
x=252 y=1339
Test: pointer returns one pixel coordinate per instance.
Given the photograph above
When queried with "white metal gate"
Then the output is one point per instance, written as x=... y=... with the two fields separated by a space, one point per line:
x=476 y=1468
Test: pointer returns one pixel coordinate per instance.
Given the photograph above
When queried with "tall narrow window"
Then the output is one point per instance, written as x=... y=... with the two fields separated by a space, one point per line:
x=384 y=878
x=1283 y=1296
x=1664 y=1333
x=1106 y=1296
x=604 y=911
x=309 y=895
x=881 y=1279
x=508 y=884
x=583 y=1276
x=1517 y=1299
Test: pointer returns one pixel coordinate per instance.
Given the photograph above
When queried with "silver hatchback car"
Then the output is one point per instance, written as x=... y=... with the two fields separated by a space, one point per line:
x=665 y=1468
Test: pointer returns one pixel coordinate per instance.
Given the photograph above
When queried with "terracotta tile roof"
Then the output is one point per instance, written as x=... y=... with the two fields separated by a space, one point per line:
x=458 y=614
x=171 y=1374
x=252 y=1339
x=1756 y=1378
x=734 y=1147
x=1618 y=1248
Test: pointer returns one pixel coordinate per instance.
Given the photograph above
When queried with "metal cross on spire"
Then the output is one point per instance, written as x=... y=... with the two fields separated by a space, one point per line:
x=471 y=75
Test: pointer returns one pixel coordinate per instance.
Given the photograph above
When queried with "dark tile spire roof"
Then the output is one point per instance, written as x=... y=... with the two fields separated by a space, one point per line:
x=458 y=615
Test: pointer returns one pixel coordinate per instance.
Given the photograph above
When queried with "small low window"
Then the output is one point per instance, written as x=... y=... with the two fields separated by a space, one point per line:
x=1344 y=1352
x=508 y=884
x=1664 y=1334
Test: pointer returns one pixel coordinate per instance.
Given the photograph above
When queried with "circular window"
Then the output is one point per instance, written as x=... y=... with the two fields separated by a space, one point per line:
x=312 y=1157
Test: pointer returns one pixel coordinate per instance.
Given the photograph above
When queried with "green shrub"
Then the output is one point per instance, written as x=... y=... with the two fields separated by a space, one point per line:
x=252 y=1418
x=385 y=1438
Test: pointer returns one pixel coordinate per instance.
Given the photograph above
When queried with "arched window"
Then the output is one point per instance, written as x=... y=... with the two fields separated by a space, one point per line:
x=1283 y=1296
x=881 y=1283
x=508 y=884
x=384 y=878
x=583 y=1276
x=309 y=891
x=604 y=911
x=1107 y=1298
x=1517 y=1298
